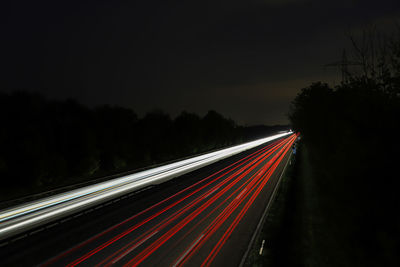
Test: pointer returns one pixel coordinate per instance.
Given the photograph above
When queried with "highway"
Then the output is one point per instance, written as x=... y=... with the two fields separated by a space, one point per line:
x=206 y=217
x=21 y=218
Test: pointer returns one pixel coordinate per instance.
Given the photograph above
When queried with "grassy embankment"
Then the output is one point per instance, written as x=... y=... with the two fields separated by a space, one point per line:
x=293 y=229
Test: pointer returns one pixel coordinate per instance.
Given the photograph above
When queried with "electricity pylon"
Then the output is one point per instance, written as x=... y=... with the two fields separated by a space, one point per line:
x=343 y=65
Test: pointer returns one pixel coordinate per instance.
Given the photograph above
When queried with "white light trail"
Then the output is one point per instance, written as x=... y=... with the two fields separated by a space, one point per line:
x=27 y=216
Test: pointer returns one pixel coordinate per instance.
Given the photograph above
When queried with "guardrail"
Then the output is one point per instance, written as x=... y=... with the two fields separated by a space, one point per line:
x=27 y=216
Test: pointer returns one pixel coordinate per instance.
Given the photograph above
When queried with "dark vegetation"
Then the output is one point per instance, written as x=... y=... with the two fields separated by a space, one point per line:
x=45 y=144
x=282 y=223
x=351 y=134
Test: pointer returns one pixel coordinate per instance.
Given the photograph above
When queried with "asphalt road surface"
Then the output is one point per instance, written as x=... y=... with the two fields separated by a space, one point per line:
x=203 y=218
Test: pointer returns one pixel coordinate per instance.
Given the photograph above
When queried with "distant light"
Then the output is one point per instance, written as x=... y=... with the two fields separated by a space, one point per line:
x=28 y=215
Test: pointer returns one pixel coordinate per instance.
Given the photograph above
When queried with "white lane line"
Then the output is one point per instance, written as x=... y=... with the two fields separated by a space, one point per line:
x=264 y=215
x=37 y=231
x=132 y=248
x=211 y=192
x=69 y=202
x=241 y=193
x=107 y=185
x=51 y=225
x=262 y=171
x=262 y=247
x=18 y=238
x=187 y=251
x=66 y=220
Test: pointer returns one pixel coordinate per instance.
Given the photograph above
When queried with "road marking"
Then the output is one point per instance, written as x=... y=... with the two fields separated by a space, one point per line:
x=37 y=231
x=51 y=225
x=18 y=238
x=262 y=247
x=94 y=194
x=66 y=220
x=187 y=251
x=132 y=248
x=260 y=222
x=241 y=193
x=4 y=244
x=211 y=192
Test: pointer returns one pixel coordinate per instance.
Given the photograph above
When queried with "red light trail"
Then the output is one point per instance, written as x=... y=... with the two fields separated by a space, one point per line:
x=197 y=213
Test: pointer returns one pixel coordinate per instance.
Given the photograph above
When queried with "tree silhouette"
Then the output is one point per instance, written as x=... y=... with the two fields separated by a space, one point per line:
x=45 y=144
x=351 y=134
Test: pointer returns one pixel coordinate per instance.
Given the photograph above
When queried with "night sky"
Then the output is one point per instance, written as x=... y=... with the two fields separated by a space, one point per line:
x=245 y=59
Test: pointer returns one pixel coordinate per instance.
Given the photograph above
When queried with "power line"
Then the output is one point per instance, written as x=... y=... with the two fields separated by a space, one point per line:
x=343 y=66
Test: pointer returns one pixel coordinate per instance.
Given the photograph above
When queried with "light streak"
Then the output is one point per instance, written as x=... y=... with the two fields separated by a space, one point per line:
x=231 y=228
x=178 y=213
x=213 y=227
x=239 y=163
x=160 y=241
x=27 y=216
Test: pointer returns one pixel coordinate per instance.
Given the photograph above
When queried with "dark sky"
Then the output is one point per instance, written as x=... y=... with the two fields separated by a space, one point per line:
x=246 y=59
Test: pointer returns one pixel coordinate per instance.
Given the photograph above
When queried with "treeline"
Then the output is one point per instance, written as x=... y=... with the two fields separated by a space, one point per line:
x=351 y=132
x=46 y=144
